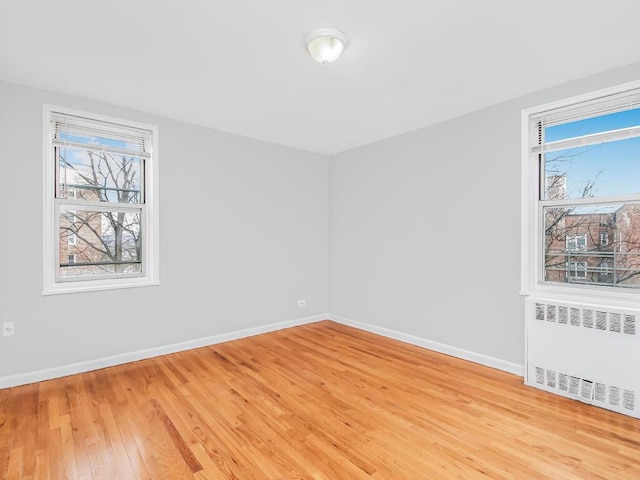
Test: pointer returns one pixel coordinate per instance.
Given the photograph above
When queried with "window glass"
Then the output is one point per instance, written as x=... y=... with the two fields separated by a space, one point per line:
x=106 y=242
x=99 y=176
x=598 y=244
x=606 y=169
x=588 y=126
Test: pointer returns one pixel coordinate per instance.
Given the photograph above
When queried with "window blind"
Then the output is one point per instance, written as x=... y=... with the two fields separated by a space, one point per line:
x=84 y=133
x=587 y=109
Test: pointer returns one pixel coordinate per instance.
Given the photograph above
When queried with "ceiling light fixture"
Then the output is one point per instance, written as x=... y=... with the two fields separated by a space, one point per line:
x=326 y=44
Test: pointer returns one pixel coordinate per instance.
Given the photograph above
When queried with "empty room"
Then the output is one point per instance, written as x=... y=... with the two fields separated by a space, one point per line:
x=354 y=240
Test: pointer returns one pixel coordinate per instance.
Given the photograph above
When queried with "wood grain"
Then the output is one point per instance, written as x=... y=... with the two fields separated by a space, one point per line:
x=317 y=402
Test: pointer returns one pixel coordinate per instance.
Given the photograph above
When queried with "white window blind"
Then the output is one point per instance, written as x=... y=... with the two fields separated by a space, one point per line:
x=588 y=109
x=74 y=131
x=581 y=111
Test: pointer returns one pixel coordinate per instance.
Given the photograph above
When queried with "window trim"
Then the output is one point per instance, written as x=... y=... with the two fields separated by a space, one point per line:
x=531 y=218
x=150 y=229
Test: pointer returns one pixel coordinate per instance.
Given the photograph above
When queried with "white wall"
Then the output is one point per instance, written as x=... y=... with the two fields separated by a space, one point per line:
x=425 y=228
x=243 y=236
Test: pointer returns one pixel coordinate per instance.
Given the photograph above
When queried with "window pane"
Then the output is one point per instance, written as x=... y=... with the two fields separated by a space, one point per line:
x=106 y=243
x=607 y=169
x=98 y=176
x=596 y=244
x=603 y=123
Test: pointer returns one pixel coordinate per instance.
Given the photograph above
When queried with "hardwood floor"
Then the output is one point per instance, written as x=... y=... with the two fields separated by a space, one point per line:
x=318 y=402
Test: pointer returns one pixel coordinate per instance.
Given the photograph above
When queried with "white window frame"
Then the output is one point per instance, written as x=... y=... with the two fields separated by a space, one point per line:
x=149 y=229
x=532 y=269
x=72 y=237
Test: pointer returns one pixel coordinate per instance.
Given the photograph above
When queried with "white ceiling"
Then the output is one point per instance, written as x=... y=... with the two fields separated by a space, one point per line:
x=240 y=65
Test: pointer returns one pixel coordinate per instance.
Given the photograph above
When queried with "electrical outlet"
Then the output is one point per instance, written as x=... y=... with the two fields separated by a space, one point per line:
x=8 y=329
x=302 y=303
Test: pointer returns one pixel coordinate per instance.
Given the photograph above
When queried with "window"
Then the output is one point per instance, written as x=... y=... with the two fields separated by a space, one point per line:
x=581 y=193
x=576 y=242
x=100 y=194
x=577 y=270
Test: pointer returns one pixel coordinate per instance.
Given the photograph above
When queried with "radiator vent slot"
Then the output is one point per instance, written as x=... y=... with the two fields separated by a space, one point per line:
x=630 y=324
x=539 y=311
x=563 y=315
x=614 y=396
x=614 y=322
x=586 y=390
x=628 y=400
x=575 y=316
x=587 y=318
x=574 y=386
x=551 y=313
x=600 y=392
x=563 y=382
x=551 y=378
x=601 y=320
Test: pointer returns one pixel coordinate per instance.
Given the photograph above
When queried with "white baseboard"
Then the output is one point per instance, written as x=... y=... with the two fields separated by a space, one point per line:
x=82 y=367
x=515 y=368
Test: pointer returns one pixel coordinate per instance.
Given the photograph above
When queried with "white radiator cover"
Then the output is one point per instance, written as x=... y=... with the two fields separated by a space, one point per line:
x=584 y=351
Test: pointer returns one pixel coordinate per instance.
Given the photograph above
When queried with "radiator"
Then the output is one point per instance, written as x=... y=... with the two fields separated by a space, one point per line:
x=584 y=351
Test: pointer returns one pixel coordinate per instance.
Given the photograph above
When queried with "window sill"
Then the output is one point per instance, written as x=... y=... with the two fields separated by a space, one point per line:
x=97 y=285
x=582 y=294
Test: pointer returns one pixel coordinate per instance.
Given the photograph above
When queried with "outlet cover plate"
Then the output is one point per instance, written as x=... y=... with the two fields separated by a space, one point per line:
x=8 y=329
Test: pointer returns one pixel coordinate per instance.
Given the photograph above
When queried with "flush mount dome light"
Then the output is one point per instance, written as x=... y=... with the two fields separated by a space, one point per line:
x=326 y=44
